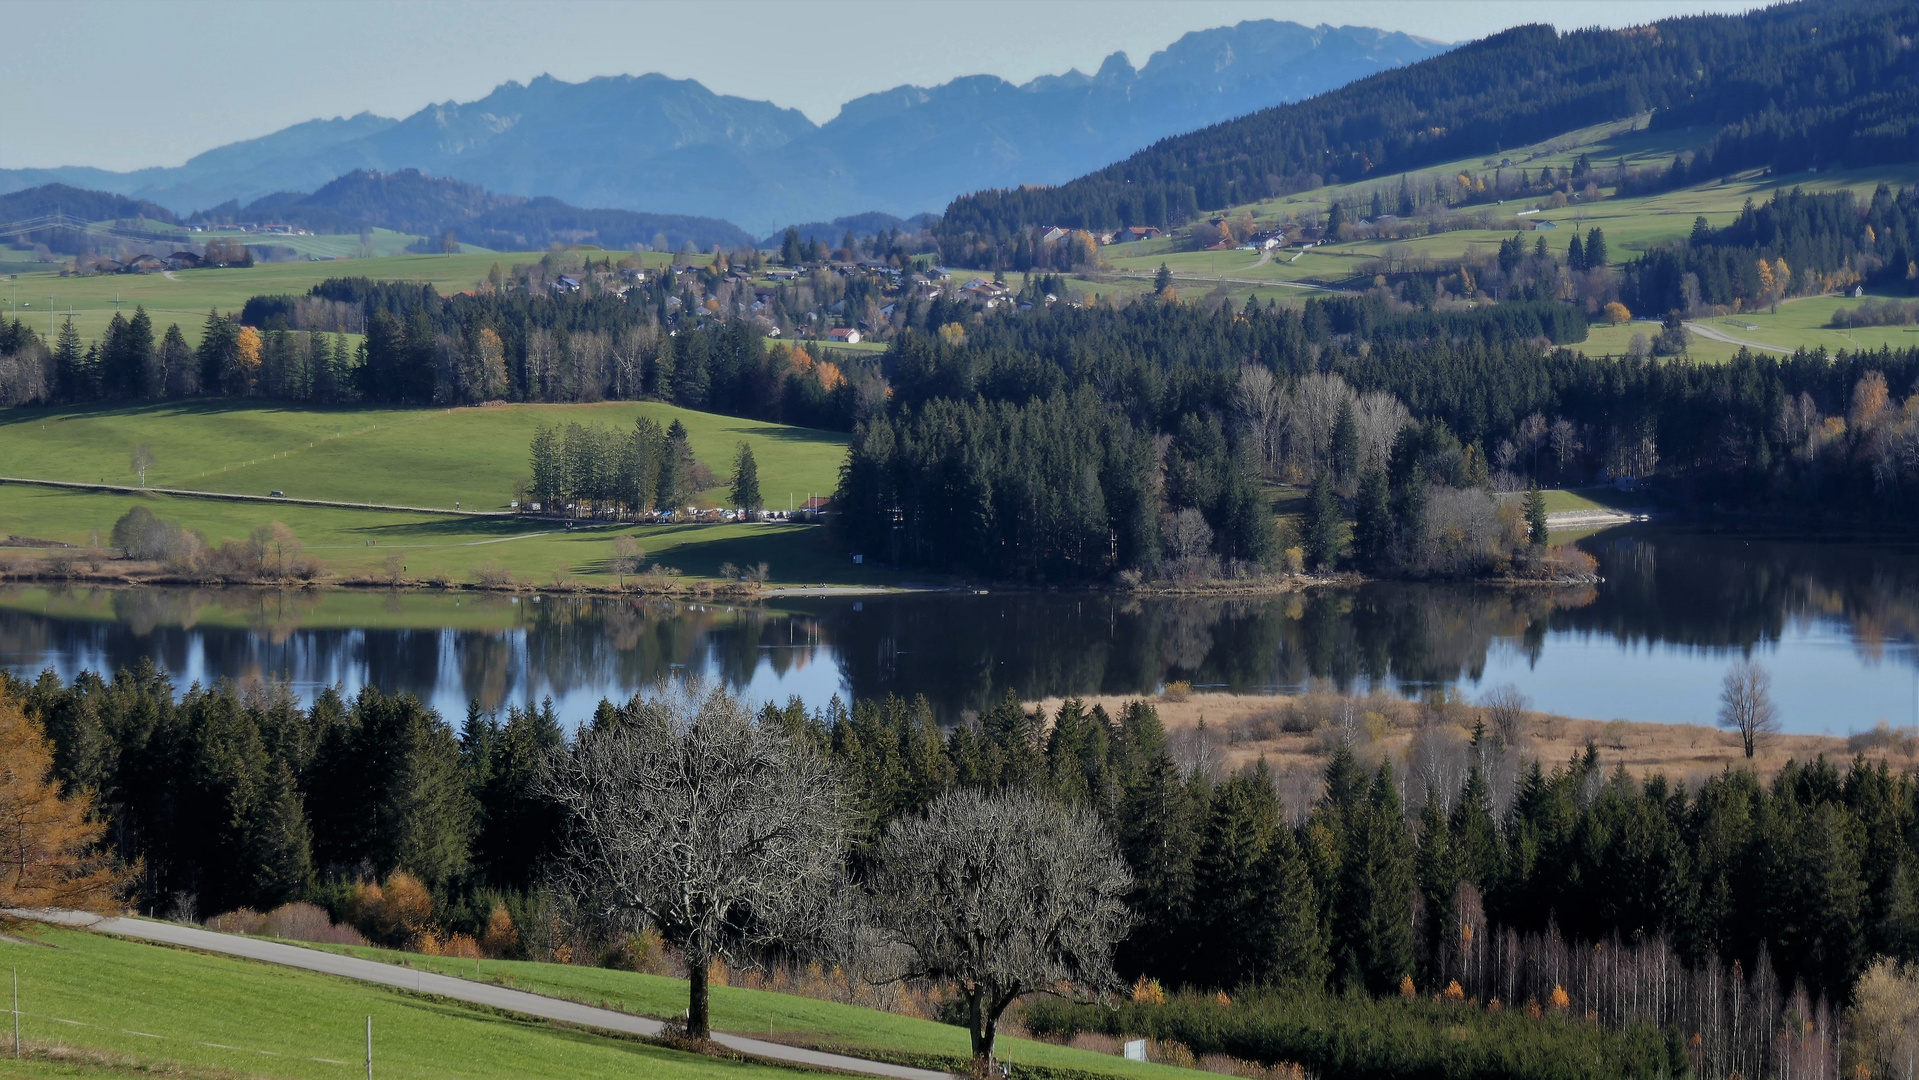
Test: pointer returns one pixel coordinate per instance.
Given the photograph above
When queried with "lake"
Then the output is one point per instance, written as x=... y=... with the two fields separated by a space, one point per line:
x=1836 y=622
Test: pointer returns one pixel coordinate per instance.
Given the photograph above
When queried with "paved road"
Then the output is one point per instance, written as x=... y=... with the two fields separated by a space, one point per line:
x=1713 y=333
x=499 y=997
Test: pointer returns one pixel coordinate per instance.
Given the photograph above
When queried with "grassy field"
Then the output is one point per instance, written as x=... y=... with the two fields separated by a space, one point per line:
x=147 y=1010
x=786 y=1017
x=185 y=297
x=402 y=457
x=356 y=543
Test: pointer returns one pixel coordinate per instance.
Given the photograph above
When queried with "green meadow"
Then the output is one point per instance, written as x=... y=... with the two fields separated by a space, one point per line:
x=128 y=1009
x=427 y=458
x=448 y=548
x=786 y=1017
x=392 y=456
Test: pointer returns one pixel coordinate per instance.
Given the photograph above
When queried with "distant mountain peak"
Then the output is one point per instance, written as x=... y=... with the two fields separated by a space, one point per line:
x=661 y=144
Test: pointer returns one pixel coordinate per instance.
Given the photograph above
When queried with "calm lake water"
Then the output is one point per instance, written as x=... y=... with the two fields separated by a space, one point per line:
x=1836 y=623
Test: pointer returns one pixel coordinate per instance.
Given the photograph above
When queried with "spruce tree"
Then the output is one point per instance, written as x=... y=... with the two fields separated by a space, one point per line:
x=1345 y=445
x=1158 y=837
x=1437 y=868
x=144 y=376
x=1535 y=514
x=69 y=364
x=1373 y=519
x=1286 y=941
x=1227 y=885
x=1596 y=255
x=179 y=375
x=746 y=480
x=282 y=849
x=1163 y=279
x=1373 y=918
x=1322 y=523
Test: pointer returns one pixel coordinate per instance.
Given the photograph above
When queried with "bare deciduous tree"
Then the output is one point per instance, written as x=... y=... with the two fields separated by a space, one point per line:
x=1001 y=893
x=142 y=461
x=724 y=835
x=1506 y=707
x=1745 y=704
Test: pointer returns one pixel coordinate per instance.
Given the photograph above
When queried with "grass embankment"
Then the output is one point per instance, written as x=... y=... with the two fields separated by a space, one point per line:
x=185 y=296
x=403 y=457
x=780 y=1017
x=125 y=1009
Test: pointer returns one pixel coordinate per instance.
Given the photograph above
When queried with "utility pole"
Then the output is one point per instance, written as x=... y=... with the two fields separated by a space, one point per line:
x=16 y=1014
x=369 y=1048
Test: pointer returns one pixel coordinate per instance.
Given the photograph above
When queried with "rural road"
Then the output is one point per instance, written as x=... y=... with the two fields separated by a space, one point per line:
x=498 y=997
x=1714 y=334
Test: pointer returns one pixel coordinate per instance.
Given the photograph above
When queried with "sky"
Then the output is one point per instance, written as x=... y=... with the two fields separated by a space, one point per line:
x=124 y=84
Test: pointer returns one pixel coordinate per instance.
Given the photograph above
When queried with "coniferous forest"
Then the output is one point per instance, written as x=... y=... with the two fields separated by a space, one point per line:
x=1649 y=906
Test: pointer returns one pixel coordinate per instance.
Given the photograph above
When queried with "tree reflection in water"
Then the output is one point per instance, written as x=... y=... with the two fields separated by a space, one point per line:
x=1666 y=588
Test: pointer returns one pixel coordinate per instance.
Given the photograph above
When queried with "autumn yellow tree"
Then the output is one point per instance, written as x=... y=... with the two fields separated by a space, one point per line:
x=50 y=851
x=1617 y=314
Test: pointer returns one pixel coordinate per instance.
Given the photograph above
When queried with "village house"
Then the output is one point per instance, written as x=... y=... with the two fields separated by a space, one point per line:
x=846 y=334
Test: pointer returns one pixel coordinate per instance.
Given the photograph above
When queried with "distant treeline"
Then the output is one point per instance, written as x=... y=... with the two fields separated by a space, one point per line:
x=1794 y=244
x=1821 y=83
x=422 y=348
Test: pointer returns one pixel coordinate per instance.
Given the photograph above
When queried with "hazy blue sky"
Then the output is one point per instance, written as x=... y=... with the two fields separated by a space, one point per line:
x=123 y=84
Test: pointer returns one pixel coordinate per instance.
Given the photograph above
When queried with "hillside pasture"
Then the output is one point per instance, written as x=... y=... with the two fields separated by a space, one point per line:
x=442 y=548
x=118 y=1008
x=391 y=456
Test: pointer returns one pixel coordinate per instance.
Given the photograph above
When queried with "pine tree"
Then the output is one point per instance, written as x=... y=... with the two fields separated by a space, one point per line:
x=69 y=365
x=1373 y=519
x=1575 y=254
x=1227 y=885
x=179 y=374
x=1345 y=445
x=1373 y=919
x=1437 y=868
x=219 y=351
x=144 y=376
x=1535 y=514
x=1596 y=256
x=282 y=850
x=1285 y=940
x=1163 y=279
x=745 y=489
x=1322 y=522
x=1158 y=838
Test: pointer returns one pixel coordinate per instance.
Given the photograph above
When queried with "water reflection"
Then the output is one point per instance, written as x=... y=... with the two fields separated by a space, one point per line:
x=1836 y=621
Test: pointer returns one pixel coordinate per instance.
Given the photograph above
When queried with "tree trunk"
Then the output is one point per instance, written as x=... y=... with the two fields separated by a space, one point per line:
x=698 y=1026
x=984 y=1029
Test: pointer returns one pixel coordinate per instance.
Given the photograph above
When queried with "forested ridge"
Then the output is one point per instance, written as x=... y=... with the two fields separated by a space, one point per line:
x=1014 y=448
x=1817 y=83
x=236 y=798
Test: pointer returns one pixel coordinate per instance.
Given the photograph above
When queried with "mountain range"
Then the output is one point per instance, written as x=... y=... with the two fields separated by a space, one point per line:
x=671 y=146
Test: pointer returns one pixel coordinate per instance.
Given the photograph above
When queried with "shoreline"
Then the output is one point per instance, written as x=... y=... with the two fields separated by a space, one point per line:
x=1294 y=734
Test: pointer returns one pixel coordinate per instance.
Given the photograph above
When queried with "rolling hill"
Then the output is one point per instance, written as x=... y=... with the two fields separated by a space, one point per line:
x=1809 y=85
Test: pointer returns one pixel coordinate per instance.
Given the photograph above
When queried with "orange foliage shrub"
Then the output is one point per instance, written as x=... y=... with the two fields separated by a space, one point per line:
x=500 y=938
